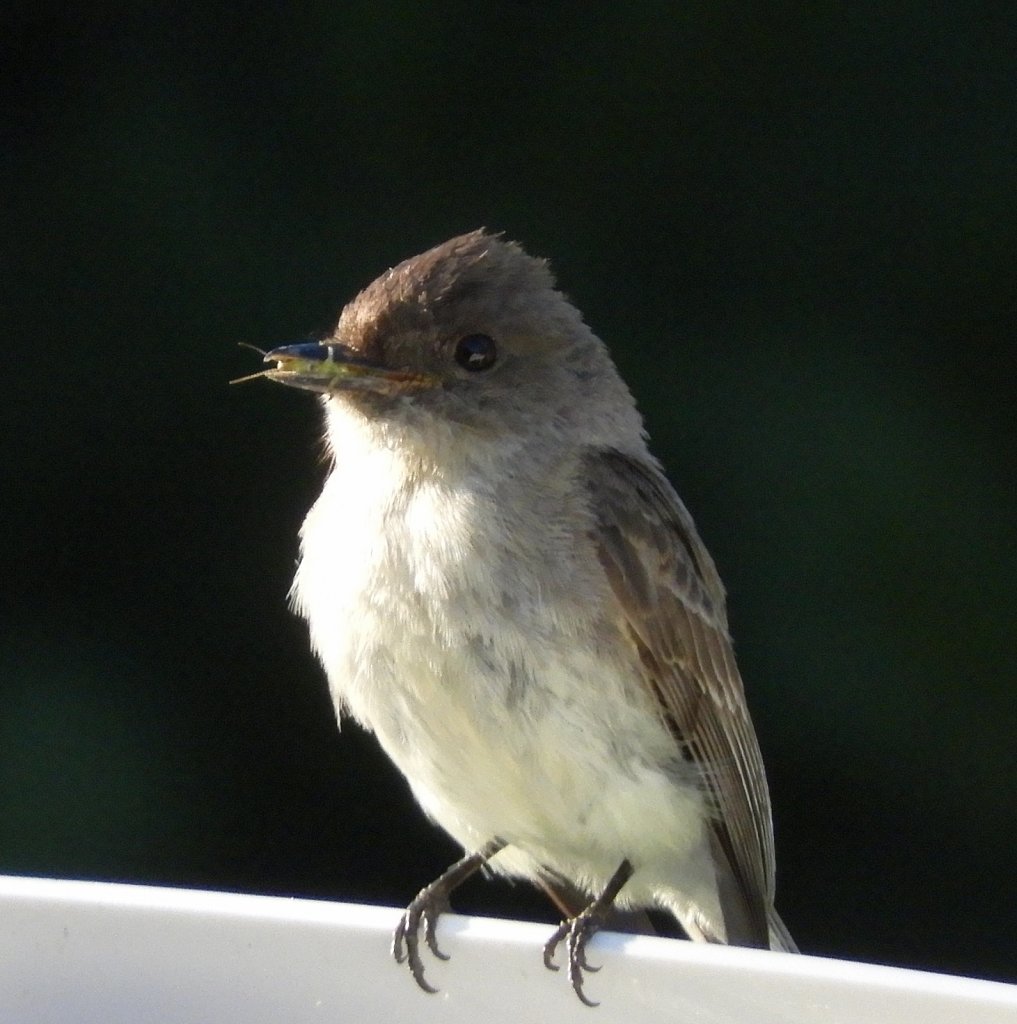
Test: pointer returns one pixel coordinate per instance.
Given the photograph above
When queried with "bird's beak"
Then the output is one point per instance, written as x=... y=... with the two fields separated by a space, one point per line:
x=328 y=366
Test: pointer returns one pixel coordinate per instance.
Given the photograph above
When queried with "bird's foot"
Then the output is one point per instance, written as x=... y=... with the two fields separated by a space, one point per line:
x=427 y=906
x=425 y=909
x=577 y=931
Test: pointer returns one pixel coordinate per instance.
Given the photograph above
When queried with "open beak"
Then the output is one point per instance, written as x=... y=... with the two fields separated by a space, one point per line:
x=327 y=367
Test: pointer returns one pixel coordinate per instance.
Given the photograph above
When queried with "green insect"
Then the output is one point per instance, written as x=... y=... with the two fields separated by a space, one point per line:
x=326 y=367
x=312 y=366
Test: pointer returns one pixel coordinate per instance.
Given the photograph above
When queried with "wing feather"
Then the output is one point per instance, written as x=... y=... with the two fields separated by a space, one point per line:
x=671 y=606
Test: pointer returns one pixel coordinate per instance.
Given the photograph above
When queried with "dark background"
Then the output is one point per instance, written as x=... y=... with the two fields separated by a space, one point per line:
x=795 y=226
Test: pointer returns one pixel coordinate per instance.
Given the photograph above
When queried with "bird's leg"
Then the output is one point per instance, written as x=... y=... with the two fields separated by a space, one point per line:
x=428 y=905
x=577 y=931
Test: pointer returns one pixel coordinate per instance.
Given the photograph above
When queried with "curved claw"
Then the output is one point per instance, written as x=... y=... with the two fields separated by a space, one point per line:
x=551 y=946
x=431 y=915
x=426 y=908
x=575 y=933
x=577 y=949
x=399 y=940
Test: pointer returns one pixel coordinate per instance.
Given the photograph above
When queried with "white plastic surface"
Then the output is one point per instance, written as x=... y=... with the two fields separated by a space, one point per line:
x=84 y=952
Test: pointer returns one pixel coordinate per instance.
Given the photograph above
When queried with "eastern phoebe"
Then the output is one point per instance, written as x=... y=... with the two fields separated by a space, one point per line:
x=502 y=585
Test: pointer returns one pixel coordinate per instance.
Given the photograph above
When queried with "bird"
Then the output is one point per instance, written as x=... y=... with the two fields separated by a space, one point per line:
x=504 y=588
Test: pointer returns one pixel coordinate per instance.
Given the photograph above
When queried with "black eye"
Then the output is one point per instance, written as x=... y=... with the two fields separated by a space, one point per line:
x=476 y=352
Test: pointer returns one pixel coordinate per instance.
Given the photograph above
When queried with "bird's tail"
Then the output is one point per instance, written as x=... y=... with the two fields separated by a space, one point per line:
x=780 y=937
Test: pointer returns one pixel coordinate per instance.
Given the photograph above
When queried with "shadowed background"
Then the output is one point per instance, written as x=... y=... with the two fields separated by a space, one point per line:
x=794 y=224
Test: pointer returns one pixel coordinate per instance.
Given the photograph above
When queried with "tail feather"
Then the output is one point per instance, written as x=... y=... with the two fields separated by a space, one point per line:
x=780 y=937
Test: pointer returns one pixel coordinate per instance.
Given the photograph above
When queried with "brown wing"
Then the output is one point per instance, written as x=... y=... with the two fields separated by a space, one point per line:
x=671 y=606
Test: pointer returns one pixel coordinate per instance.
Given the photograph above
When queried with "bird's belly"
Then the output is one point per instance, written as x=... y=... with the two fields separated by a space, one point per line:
x=522 y=719
x=527 y=739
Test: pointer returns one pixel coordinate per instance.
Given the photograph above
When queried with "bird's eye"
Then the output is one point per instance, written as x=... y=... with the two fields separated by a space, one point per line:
x=476 y=352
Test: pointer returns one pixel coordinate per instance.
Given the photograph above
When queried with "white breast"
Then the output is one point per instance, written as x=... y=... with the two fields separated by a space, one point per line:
x=487 y=672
